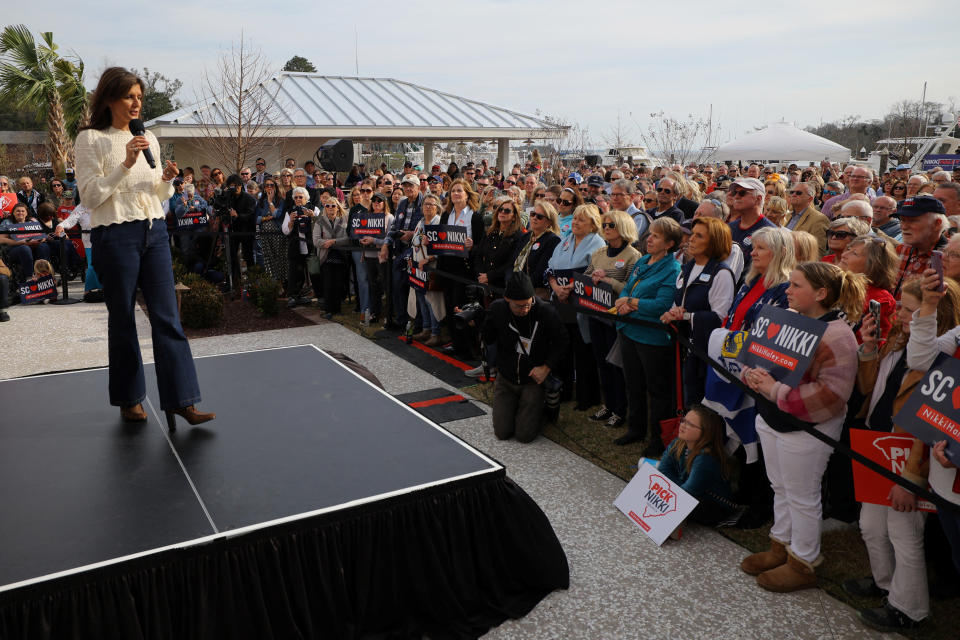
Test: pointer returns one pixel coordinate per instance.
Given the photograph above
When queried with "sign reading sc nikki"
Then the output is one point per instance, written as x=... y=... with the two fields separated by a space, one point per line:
x=446 y=240
x=368 y=225
x=654 y=503
x=43 y=288
x=932 y=412
x=783 y=343
x=587 y=295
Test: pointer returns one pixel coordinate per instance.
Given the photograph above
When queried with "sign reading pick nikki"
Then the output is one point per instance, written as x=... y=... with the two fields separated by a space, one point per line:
x=446 y=240
x=587 y=295
x=654 y=503
x=932 y=412
x=368 y=225
x=43 y=288
x=783 y=343
x=889 y=450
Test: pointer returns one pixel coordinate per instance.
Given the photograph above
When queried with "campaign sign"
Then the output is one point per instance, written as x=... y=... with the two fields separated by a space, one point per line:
x=889 y=450
x=564 y=277
x=368 y=225
x=418 y=278
x=783 y=343
x=44 y=288
x=587 y=295
x=446 y=240
x=654 y=503
x=35 y=231
x=192 y=219
x=932 y=412
x=947 y=162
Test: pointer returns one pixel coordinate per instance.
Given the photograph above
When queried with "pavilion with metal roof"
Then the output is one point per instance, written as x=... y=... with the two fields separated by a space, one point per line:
x=304 y=110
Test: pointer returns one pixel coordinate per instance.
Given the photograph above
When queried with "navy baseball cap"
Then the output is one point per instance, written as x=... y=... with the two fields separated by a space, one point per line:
x=919 y=205
x=595 y=181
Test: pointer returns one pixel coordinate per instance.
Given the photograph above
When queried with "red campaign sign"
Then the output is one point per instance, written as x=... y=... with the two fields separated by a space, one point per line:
x=7 y=200
x=889 y=450
x=44 y=288
x=932 y=411
x=783 y=343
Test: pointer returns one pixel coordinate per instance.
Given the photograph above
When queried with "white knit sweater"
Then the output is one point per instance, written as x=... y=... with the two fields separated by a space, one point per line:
x=108 y=189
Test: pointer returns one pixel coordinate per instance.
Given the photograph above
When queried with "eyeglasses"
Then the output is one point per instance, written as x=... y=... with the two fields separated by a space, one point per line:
x=664 y=190
x=366 y=190
x=796 y=192
x=269 y=184
x=564 y=203
x=687 y=423
x=429 y=204
x=520 y=305
x=738 y=193
x=618 y=195
x=584 y=189
x=329 y=206
x=649 y=200
x=261 y=164
x=609 y=225
x=217 y=173
x=841 y=234
x=537 y=216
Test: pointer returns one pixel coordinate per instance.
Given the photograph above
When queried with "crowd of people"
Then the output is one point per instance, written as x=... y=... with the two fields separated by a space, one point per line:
x=694 y=251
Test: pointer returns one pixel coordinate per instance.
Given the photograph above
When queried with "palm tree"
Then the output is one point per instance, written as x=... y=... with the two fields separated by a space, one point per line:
x=33 y=74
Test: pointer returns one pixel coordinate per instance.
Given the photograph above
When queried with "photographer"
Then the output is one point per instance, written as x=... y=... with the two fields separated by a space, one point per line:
x=530 y=341
x=235 y=207
x=298 y=227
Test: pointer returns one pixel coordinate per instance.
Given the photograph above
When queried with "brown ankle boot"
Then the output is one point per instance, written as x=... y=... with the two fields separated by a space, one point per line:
x=796 y=574
x=133 y=414
x=190 y=414
x=757 y=563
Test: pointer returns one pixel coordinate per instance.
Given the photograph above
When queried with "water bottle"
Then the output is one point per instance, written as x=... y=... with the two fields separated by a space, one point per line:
x=409 y=332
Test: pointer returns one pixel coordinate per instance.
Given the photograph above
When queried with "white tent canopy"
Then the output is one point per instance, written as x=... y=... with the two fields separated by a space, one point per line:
x=780 y=141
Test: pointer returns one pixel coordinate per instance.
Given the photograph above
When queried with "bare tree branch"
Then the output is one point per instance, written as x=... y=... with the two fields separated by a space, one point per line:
x=675 y=141
x=238 y=109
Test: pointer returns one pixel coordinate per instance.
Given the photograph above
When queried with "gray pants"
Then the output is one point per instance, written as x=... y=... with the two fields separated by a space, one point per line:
x=517 y=410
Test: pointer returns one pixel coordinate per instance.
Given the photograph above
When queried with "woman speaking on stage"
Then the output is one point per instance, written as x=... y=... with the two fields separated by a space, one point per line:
x=131 y=248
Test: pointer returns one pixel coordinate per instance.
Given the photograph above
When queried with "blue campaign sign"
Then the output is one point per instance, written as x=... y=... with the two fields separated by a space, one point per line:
x=783 y=343
x=947 y=162
x=932 y=412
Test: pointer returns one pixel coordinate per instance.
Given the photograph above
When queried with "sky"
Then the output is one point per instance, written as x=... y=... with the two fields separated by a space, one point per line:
x=583 y=62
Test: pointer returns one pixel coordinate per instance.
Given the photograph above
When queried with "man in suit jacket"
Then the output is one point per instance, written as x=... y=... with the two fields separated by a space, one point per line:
x=804 y=216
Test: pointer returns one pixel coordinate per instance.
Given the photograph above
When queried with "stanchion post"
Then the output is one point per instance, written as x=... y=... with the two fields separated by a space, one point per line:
x=65 y=297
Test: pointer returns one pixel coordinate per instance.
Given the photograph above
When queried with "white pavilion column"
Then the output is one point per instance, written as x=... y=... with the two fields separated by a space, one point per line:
x=427 y=155
x=503 y=154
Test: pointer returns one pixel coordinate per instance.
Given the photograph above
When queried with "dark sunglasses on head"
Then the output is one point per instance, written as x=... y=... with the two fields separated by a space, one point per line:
x=841 y=234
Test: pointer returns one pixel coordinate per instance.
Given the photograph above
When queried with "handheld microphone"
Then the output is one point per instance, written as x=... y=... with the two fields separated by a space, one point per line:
x=137 y=129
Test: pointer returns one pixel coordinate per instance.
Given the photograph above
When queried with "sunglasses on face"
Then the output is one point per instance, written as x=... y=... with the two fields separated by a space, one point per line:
x=565 y=203
x=664 y=190
x=510 y=182
x=329 y=206
x=840 y=235
x=366 y=190
x=538 y=216
x=269 y=184
x=609 y=225
x=795 y=193
x=738 y=192
x=505 y=210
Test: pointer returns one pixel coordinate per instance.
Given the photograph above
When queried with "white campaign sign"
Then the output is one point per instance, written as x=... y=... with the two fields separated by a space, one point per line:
x=654 y=503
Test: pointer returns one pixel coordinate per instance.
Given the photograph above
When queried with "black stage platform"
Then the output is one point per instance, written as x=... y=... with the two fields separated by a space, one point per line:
x=316 y=505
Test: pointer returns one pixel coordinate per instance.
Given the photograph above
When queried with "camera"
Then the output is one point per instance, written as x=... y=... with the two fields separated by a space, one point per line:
x=473 y=310
x=552 y=386
x=222 y=202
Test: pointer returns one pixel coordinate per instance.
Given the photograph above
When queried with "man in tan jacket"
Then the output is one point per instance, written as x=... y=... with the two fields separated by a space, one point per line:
x=804 y=216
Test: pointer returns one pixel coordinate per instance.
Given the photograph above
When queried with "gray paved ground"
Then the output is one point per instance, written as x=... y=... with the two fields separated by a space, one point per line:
x=621 y=584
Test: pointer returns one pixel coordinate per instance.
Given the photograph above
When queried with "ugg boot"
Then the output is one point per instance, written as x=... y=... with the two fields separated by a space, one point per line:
x=795 y=575
x=757 y=563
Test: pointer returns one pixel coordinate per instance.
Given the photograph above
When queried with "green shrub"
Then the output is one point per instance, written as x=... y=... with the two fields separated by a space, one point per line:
x=202 y=305
x=264 y=292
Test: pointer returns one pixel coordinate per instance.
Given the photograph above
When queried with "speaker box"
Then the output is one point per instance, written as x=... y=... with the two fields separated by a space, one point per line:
x=592 y=160
x=336 y=155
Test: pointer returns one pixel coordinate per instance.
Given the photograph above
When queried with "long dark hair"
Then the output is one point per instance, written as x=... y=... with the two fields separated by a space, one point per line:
x=712 y=429
x=114 y=84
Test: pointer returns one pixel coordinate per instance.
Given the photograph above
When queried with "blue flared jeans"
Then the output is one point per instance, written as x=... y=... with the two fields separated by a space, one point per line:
x=137 y=254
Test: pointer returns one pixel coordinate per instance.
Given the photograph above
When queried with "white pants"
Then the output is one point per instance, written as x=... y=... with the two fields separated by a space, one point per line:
x=894 y=541
x=795 y=464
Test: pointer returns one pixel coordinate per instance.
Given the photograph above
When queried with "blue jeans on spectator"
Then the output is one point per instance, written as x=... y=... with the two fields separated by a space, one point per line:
x=950 y=521
x=134 y=254
x=362 y=285
x=427 y=316
x=25 y=256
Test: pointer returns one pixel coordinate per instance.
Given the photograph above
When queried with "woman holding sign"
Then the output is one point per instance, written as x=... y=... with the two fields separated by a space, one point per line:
x=795 y=460
x=894 y=534
x=461 y=210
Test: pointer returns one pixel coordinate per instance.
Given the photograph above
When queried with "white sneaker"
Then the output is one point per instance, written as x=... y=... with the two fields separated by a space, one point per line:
x=477 y=372
x=365 y=321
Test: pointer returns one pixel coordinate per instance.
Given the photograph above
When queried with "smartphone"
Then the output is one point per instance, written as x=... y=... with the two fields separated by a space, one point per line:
x=936 y=263
x=875 y=312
